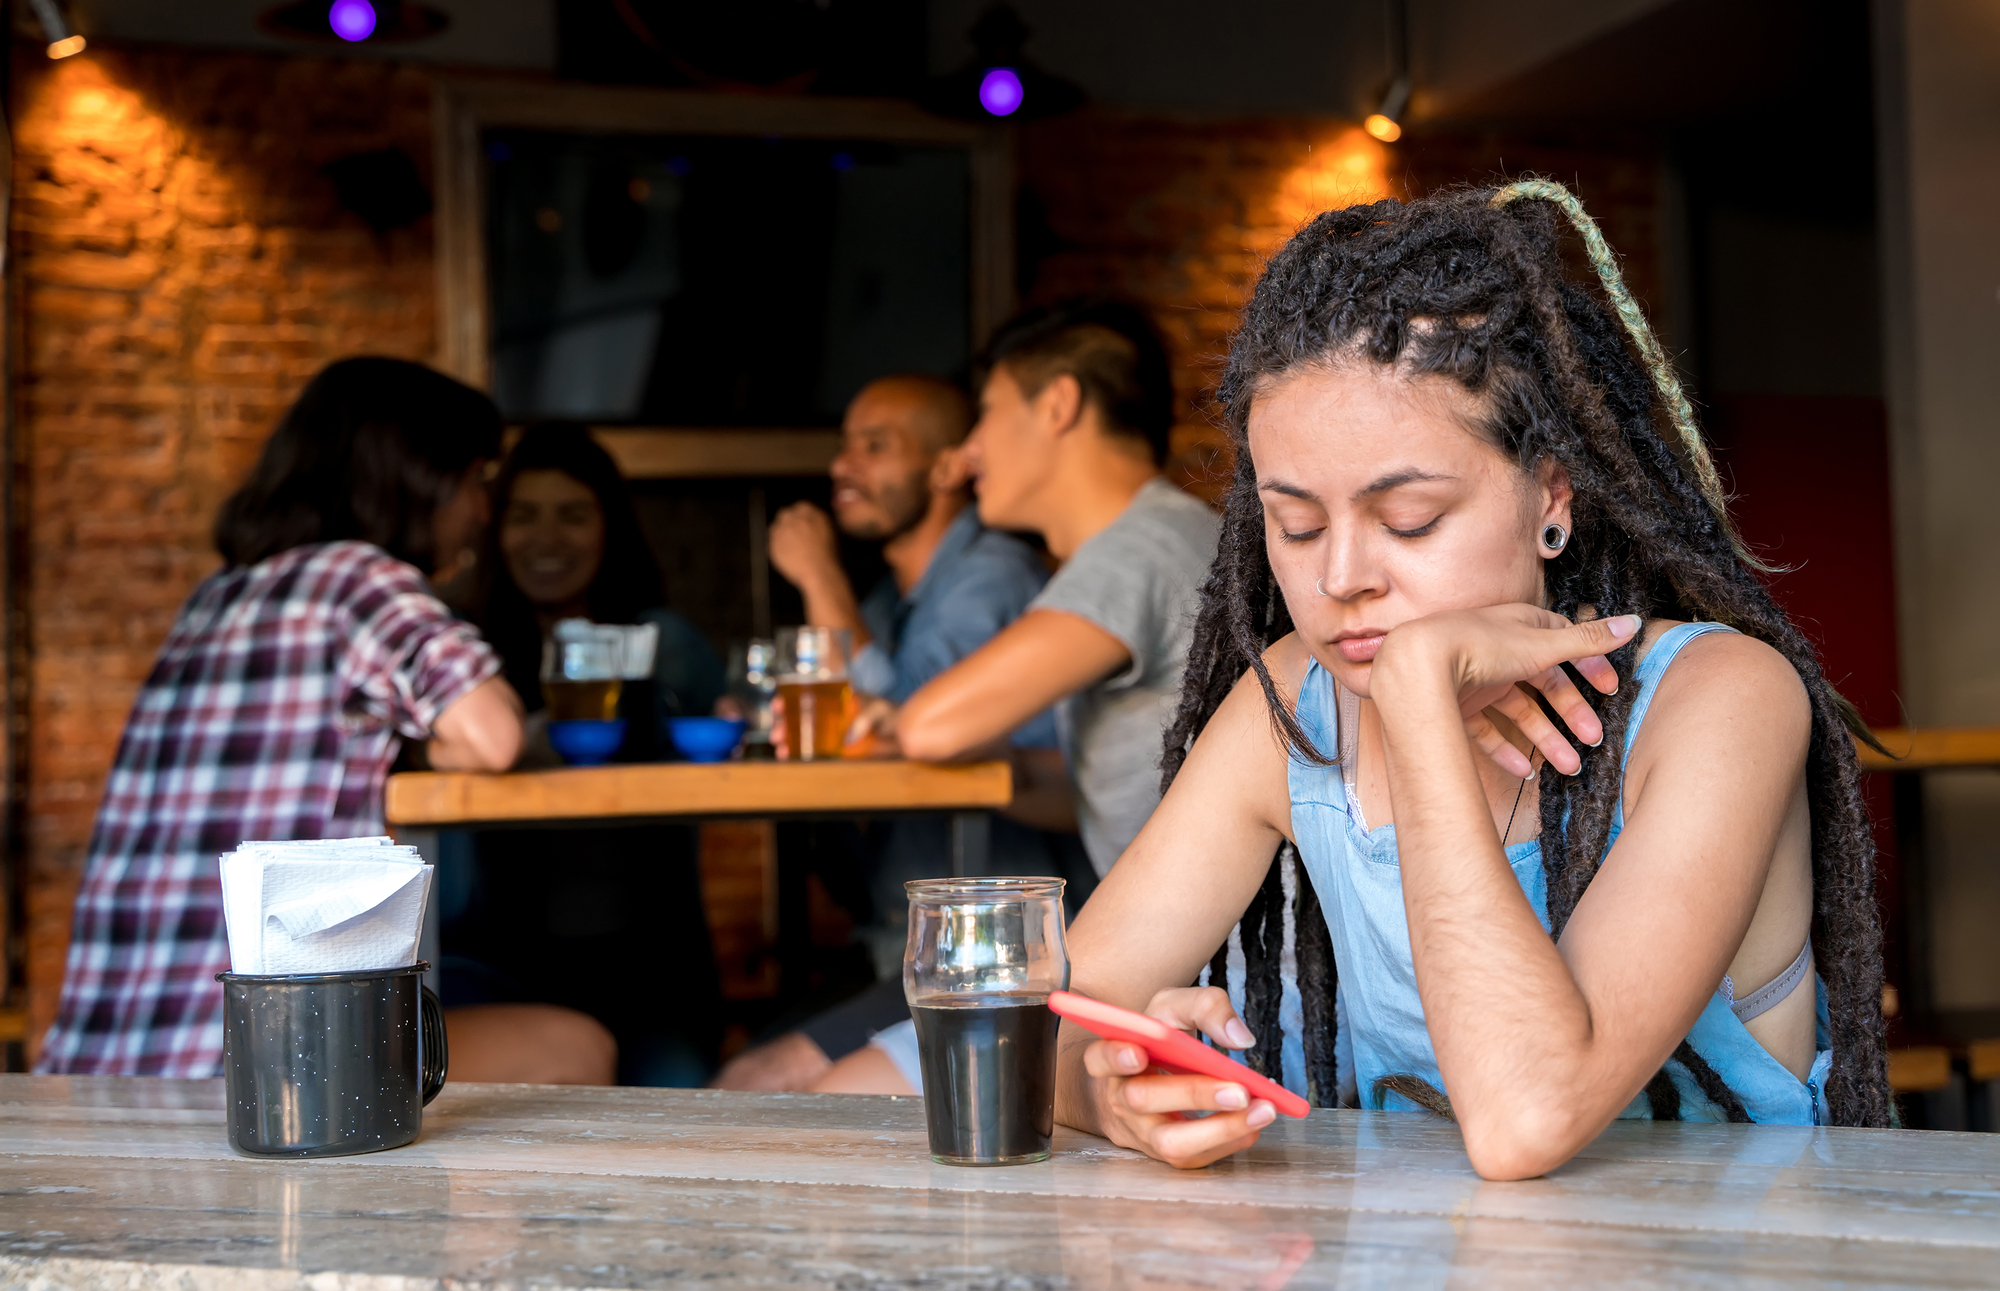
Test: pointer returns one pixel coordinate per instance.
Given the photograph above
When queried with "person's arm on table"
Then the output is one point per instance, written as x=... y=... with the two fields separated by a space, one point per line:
x=1030 y=664
x=1158 y=916
x=953 y=625
x=1542 y=1043
x=481 y=730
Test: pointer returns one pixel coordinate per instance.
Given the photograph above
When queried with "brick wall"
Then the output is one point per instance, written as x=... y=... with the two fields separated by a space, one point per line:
x=183 y=267
x=1180 y=215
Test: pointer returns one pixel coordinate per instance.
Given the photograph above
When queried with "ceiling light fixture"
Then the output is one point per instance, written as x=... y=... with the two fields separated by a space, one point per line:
x=1000 y=91
x=1386 y=121
x=62 y=35
x=1383 y=122
x=1000 y=81
x=353 y=22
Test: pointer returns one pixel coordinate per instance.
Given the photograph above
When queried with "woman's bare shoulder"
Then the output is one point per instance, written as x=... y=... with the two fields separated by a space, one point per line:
x=1241 y=754
x=1730 y=680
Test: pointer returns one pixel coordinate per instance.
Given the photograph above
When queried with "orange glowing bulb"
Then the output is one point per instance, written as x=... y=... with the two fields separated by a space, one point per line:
x=66 y=46
x=1382 y=127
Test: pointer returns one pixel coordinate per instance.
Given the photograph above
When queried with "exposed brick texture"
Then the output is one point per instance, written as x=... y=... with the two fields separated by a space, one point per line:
x=184 y=267
x=1181 y=215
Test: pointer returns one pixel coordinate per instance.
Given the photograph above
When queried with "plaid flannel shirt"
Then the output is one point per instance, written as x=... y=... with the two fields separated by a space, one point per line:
x=274 y=711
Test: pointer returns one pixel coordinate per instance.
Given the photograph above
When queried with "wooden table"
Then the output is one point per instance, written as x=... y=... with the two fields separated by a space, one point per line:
x=420 y=803
x=1933 y=748
x=683 y=790
x=130 y=1183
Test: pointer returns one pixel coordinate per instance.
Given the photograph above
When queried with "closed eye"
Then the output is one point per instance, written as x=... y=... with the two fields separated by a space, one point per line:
x=1307 y=536
x=1417 y=532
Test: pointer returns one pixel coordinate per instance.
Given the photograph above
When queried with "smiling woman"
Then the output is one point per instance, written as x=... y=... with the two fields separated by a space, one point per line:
x=1472 y=531
x=542 y=917
x=552 y=538
x=566 y=543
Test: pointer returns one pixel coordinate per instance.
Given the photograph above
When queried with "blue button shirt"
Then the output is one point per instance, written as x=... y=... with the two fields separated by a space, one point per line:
x=978 y=581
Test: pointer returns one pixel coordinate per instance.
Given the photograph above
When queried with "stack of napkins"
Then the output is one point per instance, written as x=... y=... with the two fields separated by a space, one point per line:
x=601 y=651
x=335 y=905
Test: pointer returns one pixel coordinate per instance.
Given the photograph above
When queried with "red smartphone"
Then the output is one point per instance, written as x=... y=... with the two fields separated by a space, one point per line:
x=1171 y=1048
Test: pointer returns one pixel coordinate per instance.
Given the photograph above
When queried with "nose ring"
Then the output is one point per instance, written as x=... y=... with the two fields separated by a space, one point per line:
x=1317 y=586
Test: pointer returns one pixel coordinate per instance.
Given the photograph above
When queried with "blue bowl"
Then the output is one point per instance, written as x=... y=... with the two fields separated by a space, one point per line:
x=587 y=743
x=705 y=739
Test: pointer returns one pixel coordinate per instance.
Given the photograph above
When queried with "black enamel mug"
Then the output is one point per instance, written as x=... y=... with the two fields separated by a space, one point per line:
x=330 y=1064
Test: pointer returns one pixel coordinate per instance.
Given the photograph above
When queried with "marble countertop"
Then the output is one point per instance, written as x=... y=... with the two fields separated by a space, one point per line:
x=130 y=1183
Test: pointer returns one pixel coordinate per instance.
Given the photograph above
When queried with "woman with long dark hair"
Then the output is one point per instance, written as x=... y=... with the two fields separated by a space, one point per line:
x=1575 y=813
x=566 y=543
x=281 y=697
x=594 y=920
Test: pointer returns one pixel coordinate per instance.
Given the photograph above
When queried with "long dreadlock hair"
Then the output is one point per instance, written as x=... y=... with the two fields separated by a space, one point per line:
x=1467 y=284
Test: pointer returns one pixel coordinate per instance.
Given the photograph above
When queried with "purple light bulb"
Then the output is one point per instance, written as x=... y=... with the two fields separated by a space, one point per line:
x=351 y=20
x=1000 y=91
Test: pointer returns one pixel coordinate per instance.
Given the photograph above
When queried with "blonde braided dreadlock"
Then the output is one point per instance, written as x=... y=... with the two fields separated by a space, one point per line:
x=1679 y=410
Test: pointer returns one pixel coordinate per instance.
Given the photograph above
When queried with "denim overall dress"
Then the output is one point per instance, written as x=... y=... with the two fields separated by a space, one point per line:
x=1381 y=1019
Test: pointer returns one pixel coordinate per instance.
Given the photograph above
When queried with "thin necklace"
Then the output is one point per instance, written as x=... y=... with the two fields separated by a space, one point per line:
x=1517 y=802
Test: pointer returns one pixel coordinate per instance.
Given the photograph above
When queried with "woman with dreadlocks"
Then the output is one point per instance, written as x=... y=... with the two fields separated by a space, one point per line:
x=1474 y=536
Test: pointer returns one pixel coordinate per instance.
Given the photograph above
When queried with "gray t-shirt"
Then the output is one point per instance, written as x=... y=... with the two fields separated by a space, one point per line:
x=1140 y=580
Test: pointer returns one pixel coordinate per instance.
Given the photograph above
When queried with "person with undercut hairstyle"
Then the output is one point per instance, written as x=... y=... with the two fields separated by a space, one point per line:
x=1569 y=810
x=1075 y=410
x=901 y=479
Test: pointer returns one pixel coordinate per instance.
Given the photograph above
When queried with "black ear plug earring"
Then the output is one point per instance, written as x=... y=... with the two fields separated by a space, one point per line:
x=1554 y=537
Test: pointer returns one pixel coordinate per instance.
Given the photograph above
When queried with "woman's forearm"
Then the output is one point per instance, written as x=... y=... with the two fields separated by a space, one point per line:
x=480 y=731
x=1510 y=1028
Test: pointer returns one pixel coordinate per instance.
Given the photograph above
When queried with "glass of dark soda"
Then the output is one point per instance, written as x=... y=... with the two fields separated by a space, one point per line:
x=982 y=957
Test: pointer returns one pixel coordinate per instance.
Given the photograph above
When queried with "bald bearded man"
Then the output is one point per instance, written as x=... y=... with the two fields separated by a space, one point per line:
x=901 y=479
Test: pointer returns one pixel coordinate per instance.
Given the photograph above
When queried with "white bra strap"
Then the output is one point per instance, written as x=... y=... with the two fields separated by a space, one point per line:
x=1770 y=995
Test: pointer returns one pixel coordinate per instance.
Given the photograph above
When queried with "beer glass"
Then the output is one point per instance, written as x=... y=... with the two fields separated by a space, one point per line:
x=981 y=959
x=812 y=680
x=753 y=682
x=581 y=680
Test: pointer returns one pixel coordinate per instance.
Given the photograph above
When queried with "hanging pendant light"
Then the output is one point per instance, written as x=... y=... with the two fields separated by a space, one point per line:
x=1000 y=83
x=354 y=22
x=57 y=29
x=1386 y=121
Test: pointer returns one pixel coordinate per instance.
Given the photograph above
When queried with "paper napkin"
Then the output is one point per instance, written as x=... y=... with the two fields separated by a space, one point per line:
x=336 y=905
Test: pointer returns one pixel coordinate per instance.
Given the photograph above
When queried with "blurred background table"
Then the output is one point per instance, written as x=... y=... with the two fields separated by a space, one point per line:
x=421 y=803
x=131 y=1183
x=696 y=791
x=1933 y=748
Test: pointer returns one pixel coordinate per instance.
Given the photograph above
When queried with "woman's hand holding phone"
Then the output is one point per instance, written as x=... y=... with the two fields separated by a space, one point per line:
x=1139 y=1109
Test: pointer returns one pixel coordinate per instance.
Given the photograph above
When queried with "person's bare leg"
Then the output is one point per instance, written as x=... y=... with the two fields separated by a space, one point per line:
x=865 y=1071
x=789 y=1063
x=529 y=1044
